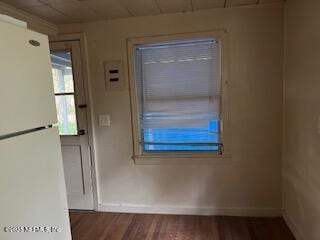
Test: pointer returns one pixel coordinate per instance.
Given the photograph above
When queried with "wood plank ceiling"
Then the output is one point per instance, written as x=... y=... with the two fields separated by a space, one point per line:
x=72 y=11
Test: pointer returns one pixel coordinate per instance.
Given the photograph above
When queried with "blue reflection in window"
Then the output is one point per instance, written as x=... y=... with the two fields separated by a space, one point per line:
x=181 y=137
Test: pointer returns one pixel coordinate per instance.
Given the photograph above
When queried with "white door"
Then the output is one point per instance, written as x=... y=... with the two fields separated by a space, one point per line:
x=72 y=122
x=32 y=186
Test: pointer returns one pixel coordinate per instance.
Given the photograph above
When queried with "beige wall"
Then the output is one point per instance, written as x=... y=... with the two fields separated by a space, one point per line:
x=251 y=183
x=302 y=112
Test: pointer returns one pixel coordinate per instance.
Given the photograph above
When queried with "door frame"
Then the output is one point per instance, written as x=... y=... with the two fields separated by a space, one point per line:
x=87 y=92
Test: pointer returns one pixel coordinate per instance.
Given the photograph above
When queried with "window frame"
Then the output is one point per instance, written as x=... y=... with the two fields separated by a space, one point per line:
x=175 y=157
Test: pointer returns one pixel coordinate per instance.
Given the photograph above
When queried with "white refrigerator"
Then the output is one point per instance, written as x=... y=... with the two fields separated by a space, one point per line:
x=33 y=202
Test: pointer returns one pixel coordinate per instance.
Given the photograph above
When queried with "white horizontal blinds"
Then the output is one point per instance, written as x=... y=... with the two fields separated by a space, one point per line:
x=178 y=84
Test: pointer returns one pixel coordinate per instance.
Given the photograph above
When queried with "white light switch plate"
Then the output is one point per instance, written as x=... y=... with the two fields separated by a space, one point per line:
x=104 y=120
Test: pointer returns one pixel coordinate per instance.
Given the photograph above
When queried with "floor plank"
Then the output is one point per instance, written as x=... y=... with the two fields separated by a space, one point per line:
x=123 y=226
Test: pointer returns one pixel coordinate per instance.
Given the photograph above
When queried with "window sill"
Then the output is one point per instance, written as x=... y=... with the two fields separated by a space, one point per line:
x=181 y=159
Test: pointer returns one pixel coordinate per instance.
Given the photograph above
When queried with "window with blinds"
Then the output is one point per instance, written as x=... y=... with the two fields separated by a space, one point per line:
x=178 y=86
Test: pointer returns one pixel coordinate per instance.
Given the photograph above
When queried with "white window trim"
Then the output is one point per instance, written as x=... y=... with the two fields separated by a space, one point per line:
x=141 y=157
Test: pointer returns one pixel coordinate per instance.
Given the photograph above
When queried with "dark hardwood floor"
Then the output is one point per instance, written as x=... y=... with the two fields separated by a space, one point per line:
x=113 y=226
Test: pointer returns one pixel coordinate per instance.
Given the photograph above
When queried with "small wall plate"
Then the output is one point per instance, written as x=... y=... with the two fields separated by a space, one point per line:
x=114 y=75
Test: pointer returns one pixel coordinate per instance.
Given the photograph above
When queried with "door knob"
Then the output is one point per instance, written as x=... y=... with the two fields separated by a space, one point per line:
x=81 y=132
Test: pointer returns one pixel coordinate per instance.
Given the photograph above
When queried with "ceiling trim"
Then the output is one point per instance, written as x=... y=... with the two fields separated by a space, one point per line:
x=34 y=22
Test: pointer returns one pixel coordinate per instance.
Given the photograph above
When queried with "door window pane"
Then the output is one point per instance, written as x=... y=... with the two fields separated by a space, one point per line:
x=67 y=121
x=62 y=72
x=64 y=90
